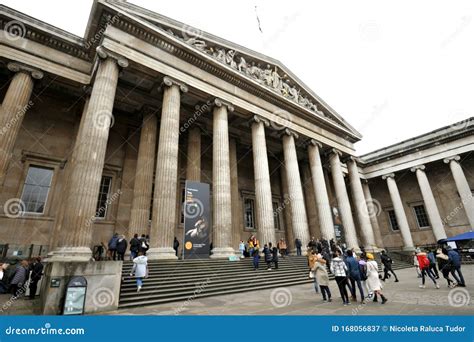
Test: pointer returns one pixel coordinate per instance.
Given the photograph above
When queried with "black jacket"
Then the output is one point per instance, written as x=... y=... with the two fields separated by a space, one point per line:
x=275 y=254
x=134 y=244
x=268 y=254
x=121 y=246
x=36 y=271
x=386 y=260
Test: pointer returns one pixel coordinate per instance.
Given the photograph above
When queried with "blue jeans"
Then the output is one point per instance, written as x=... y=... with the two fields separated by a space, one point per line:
x=298 y=251
x=460 y=279
x=139 y=282
x=133 y=255
x=316 y=285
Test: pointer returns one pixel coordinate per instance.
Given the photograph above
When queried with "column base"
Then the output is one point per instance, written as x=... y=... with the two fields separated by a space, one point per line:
x=161 y=253
x=409 y=249
x=71 y=254
x=222 y=252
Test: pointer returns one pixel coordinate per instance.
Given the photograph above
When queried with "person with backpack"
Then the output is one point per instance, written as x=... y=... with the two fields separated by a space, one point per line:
x=445 y=266
x=267 y=253
x=121 y=247
x=354 y=275
x=112 y=252
x=134 y=247
x=387 y=266
x=455 y=260
x=433 y=268
x=424 y=265
x=143 y=244
x=363 y=272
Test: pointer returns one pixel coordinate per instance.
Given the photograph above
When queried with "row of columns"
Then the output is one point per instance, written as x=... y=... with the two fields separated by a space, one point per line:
x=87 y=162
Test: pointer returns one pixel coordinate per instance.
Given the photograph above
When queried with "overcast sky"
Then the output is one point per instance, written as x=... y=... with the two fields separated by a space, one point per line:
x=392 y=70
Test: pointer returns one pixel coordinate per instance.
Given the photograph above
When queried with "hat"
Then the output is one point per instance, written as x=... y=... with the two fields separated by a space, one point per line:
x=369 y=256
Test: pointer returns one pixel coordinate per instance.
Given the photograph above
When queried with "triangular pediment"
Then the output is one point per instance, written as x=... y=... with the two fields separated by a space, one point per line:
x=263 y=70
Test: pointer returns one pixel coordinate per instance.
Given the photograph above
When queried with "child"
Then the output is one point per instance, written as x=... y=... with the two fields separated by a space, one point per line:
x=322 y=277
x=140 y=269
x=241 y=249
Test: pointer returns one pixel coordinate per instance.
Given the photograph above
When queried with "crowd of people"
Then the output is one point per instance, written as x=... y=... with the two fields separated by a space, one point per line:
x=25 y=275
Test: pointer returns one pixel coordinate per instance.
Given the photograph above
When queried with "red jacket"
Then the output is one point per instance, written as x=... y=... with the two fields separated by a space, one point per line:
x=423 y=260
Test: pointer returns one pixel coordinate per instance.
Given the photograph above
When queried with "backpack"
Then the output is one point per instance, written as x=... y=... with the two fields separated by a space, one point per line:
x=363 y=272
x=423 y=261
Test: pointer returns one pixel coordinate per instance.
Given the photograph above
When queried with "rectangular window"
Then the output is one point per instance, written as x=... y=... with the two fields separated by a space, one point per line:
x=276 y=215
x=102 y=201
x=393 y=220
x=36 y=189
x=249 y=214
x=421 y=216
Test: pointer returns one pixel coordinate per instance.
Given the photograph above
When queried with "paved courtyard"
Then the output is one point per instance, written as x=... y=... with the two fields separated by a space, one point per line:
x=405 y=298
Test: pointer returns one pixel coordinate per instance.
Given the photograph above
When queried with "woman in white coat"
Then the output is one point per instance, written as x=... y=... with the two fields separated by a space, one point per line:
x=140 y=269
x=373 y=281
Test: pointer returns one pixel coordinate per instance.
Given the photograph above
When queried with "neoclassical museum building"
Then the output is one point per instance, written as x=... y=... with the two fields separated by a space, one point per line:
x=98 y=135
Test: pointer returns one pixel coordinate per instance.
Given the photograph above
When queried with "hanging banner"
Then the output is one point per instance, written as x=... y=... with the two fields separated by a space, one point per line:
x=338 y=227
x=197 y=223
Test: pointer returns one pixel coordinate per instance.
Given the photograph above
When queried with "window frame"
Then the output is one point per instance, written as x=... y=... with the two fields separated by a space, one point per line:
x=35 y=165
x=107 y=207
x=277 y=217
x=249 y=196
x=416 y=216
x=390 y=220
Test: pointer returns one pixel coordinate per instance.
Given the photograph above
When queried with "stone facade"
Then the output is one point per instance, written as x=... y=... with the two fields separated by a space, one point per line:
x=144 y=105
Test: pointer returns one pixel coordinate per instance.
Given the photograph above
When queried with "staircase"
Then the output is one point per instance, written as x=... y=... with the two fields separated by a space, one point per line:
x=171 y=281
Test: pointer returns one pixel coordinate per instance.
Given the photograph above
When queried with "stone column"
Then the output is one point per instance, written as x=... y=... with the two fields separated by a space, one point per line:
x=235 y=197
x=87 y=163
x=361 y=204
x=430 y=203
x=166 y=175
x=320 y=191
x=263 y=191
x=309 y=200
x=142 y=188
x=286 y=206
x=14 y=107
x=221 y=189
x=399 y=212
x=343 y=200
x=463 y=187
x=193 y=167
x=295 y=191
x=374 y=210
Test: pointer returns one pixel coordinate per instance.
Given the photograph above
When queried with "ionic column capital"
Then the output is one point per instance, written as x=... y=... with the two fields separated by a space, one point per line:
x=418 y=167
x=170 y=81
x=258 y=119
x=334 y=151
x=390 y=175
x=147 y=110
x=313 y=142
x=455 y=158
x=289 y=132
x=218 y=102
x=105 y=53
x=18 y=67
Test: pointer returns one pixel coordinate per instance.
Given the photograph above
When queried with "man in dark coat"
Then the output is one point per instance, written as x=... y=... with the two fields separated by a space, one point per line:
x=298 y=245
x=134 y=247
x=121 y=247
x=113 y=246
x=274 y=255
x=36 y=269
x=176 y=245
x=387 y=264
x=268 y=256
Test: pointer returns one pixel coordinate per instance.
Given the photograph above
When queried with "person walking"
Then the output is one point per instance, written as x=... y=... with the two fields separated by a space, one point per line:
x=445 y=266
x=274 y=251
x=339 y=269
x=112 y=252
x=282 y=247
x=134 y=246
x=321 y=277
x=36 y=269
x=387 y=266
x=298 y=246
x=312 y=264
x=256 y=258
x=312 y=244
x=143 y=244
x=455 y=260
x=354 y=276
x=140 y=269
x=417 y=265
x=175 y=246
x=424 y=265
x=267 y=253
x=242 y=249
x=373 y=281
x=363 y=273
x=19 y=279
x=433 y=268
x=121 y=247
